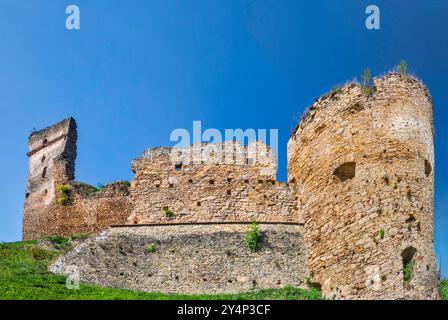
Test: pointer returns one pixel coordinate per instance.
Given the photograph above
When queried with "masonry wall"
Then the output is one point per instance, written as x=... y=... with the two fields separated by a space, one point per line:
x=52 y=163
x=189 y=258
x=363 y=169
x=209 y=192
x=87 y=211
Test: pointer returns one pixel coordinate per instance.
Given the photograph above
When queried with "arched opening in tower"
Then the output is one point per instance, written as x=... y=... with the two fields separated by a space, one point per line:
x=408 y=256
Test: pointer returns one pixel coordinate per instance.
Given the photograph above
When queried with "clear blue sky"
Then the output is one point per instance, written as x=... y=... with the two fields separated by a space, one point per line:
x=138 y=69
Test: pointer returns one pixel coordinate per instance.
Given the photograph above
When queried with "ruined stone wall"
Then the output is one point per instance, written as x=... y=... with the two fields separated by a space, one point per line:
x=363 y=169
x=87 y=211
x=52 y=163
x=204 y=191
x=55 y=143
x=194 y=259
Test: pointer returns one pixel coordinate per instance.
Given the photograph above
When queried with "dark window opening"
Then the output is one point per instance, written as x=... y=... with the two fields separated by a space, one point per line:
x=428 y=168
x=345 y=171
x=44 y=172
x=212 y=181
x=44 y=142
x=198 y=203
x=408 y=255
x=43 y=159
x=27 y=195
x=178 y=166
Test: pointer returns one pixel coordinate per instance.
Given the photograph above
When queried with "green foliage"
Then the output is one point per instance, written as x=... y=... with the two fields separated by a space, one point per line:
x=99 y=187
x=444 y=289
x=253 y=236
x=126 y=183
x=368 y=88
x=168 y=213
x=80 y=236
x=402 y=67
x=63 y=192
x=151 y=248
x=60 y=243
x=383 y=277
x=24 y=277
x=381 y=234
x=91 y=189
x=311 y=283
x=407 y=270
x=40 y=254
x=366 y=77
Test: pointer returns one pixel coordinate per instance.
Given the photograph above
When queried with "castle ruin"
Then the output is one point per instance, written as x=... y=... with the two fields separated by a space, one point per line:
x=356 y=212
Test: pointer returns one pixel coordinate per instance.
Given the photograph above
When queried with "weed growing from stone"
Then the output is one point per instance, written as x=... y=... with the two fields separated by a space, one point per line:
x=407 y=270
x=63 y=191
x=168 y=213
x=151 y=248
x=253 y=236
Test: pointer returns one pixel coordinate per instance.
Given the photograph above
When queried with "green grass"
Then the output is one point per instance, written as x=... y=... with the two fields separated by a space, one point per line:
x=24 y=275
x=444 y=289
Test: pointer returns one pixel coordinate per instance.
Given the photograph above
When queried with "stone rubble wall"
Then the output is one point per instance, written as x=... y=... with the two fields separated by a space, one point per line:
x=208 y=192
x=194 y=259
x=357 y=228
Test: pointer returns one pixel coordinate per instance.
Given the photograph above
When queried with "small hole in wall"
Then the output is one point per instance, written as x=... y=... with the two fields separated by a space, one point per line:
x=211 y=181
x=178 y=166
x=44 y=172
x=229 y=179
x=345 y=172
x=45 y=191
x=44 y=142
x=171 y=185
x=428 y=168
x=198 y=203
x=410 y=219
x=190 y=180
x=42 y=159
x=27 y=195
x=229 y=192
x=428 y=267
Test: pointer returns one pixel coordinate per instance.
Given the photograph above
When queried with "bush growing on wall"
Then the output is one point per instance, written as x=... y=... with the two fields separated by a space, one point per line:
x=63 y=191
x=253 y=236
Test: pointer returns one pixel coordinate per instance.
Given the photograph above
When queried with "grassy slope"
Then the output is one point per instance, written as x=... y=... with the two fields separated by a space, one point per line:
x=444 y=289
x=24 y=275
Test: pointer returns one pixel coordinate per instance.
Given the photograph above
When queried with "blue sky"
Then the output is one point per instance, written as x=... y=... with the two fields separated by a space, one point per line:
x=138 y=69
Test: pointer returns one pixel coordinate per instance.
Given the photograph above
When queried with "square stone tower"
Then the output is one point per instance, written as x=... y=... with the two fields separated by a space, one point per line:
x=52 y=154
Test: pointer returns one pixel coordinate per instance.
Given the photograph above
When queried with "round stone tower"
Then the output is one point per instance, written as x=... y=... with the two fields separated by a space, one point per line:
x=363 y=168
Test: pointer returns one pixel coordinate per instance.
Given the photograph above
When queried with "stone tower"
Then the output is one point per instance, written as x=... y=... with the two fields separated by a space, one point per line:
x=363 y=172
x=52 y=154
